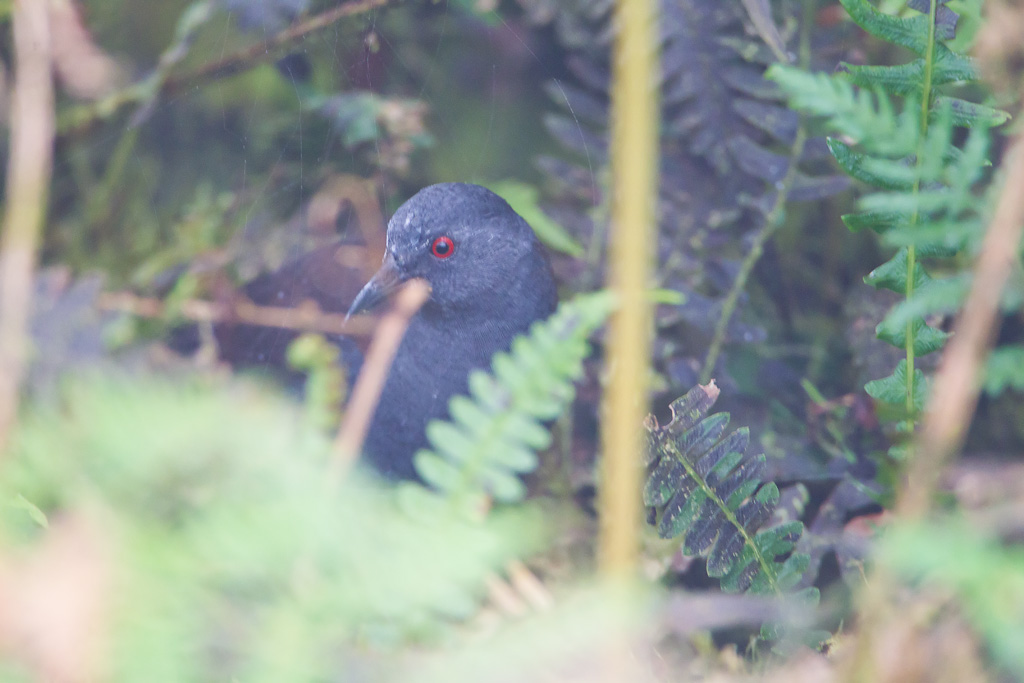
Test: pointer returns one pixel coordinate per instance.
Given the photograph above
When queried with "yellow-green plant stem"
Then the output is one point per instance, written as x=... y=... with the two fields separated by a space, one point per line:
x=926 y=95
x=634 y=162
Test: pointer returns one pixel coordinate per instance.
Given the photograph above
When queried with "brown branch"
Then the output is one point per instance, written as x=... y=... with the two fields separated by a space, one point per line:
x=81 y=120
x=29 y=167
x=246 y=58
x=304 y=318
x=366 y=392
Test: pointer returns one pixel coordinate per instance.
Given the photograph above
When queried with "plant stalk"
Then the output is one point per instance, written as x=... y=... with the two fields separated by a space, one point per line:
x=634 y=144
x=29 y=166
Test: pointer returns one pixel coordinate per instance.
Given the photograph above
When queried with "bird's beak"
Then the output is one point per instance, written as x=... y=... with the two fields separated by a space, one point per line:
x=385 y=281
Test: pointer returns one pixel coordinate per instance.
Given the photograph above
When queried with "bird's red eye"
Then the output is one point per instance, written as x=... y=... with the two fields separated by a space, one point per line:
x=443 y=247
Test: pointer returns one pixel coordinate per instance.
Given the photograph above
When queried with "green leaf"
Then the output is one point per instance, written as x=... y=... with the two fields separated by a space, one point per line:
x=883 y=173
x=688 y=410
x=934 y=296
x=927 y=339
x=666 y=479
x=951 y=67
x=793 y=570
x=779 y=540
x=877 y=221
x=680 y=513
x=504 y=486
x=893 y=274
x=1004 y=370
x=494 y=434
x=970 y=114
x=524 y=200
x=903 y=79
x=20 y=502
x=910 y=33
x=943 y=238
x=436 y=471
x=702 y=436
x=893 y=389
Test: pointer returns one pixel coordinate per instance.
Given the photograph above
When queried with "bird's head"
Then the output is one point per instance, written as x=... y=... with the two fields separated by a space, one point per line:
x=464 y=240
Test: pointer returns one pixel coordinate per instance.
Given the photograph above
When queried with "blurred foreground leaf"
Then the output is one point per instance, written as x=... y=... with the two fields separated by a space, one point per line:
x=237 y=558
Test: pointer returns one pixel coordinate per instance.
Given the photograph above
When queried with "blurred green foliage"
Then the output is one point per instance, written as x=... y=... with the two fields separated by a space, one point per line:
x=985 y=575
x=236 y=556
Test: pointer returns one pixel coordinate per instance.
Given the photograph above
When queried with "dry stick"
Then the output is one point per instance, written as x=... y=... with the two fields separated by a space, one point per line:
x=229 y=65
x=28 y=177
x=529 y=586
x=366 y=392
x=303 y=318
x=954 y=397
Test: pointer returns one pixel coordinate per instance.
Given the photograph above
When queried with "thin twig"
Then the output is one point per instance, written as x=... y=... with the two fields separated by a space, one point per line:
x=246 y=58
x=304 y=318
x=366 y=392
x=29 y=167
x=529 y=586
x=81 y=120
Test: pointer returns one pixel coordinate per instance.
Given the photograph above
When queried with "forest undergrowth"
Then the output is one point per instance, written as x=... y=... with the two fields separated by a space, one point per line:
x=196 y=191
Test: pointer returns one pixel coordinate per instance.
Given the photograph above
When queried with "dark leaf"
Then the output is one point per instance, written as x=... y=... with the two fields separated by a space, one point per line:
x=758 y=161
x=779 y=122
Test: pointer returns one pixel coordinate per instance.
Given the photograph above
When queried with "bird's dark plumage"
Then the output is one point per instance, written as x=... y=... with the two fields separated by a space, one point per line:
x=489 y=279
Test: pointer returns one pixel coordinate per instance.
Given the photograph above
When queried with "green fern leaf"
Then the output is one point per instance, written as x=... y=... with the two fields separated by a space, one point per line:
x=704 y=489
x=893 y=389
x=909 y=33
x=877 y=221
x=927 y=339
x=893 y=274
x=494 y=434
x=969 y=114
x=925 y=202
x=936 y=296
x=871 y=170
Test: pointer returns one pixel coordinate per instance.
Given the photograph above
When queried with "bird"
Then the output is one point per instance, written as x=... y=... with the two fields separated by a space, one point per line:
x=490 y=280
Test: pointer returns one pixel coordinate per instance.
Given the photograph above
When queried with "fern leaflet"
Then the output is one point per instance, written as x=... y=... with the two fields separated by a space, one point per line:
x=494 y=433
x=704 y=488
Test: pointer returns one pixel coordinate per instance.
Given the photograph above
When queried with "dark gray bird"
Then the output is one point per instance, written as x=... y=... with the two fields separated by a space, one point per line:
x=490 y=280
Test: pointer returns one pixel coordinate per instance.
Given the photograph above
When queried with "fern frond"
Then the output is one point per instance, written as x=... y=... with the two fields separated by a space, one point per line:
x=704 y=488
x=925 y=200
x=495 y=432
